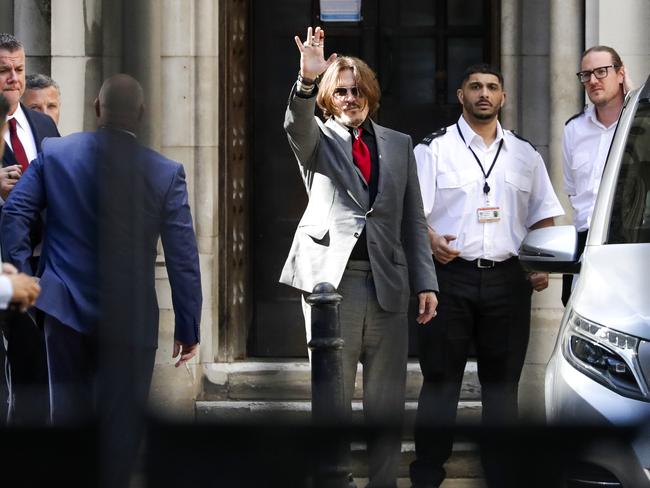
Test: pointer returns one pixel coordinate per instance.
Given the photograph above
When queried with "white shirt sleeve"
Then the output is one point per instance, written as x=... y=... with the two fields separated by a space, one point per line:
x=427 y=176
x=6 y=291
x=569 y=183
x=543 y=202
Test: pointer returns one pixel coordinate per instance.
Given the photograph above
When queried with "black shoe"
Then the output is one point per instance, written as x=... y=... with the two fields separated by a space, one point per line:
x=425 y=485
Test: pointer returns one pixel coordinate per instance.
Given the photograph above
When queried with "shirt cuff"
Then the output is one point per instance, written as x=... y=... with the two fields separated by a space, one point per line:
x=6 y=291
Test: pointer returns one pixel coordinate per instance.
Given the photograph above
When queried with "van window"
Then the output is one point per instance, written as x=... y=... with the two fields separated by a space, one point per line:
x=630 y=219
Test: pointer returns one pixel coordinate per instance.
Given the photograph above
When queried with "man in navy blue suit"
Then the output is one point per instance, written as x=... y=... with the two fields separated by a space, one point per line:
x=25 y=343
x=16 y=288
x=108 y=200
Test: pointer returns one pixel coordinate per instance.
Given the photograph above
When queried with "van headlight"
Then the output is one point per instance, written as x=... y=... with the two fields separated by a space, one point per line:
x=605 y=355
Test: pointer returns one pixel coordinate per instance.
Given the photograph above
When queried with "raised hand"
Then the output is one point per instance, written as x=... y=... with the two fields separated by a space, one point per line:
x=312 y=57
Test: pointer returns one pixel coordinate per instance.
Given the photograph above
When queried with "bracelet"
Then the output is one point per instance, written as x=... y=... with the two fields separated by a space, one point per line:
x=305 y=81
x=304 y=89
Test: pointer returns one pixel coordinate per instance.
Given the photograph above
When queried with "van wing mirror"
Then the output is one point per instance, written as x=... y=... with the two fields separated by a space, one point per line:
x=551 y=249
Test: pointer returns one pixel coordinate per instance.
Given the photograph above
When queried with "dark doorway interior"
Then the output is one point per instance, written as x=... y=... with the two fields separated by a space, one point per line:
x=418 y=49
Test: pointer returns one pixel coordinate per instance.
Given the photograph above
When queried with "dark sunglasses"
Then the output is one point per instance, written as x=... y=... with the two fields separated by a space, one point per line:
x=342 y=91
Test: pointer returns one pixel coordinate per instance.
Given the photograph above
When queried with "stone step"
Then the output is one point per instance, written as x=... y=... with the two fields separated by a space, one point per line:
x=291 y=380
x=464 y=462
x=299 y=411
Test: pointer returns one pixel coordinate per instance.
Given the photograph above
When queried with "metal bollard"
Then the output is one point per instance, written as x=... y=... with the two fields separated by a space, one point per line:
x=327 y=393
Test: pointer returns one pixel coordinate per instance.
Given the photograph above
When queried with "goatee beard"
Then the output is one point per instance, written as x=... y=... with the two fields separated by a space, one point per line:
x=484 y=116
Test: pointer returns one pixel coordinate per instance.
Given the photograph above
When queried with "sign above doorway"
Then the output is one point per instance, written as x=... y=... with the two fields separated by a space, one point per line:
x=340 y=10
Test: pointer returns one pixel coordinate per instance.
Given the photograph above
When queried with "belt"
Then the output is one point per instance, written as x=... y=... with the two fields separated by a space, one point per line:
x=483 y=263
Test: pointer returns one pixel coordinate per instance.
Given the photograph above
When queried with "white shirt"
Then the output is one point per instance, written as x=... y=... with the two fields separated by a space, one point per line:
x=452 y=183
x=24 y=133
x=585 y=146
x=6 y=290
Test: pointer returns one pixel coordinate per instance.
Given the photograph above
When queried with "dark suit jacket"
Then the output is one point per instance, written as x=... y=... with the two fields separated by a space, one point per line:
x=42 y=126
x=67 y=180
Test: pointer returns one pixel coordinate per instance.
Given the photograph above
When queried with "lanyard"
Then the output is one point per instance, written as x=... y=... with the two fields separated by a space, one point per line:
x=486 y=187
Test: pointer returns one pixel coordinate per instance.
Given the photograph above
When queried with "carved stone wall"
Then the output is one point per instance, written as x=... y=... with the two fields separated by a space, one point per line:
x=234 y=299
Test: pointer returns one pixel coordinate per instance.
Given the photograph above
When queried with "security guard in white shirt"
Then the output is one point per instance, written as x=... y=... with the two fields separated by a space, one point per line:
x=588 y=135
x=483 y=189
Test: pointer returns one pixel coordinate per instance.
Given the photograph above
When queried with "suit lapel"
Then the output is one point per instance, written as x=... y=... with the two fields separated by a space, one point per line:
x=351 y=174
x=8 y=158
x=383 y=162
x=34 y=129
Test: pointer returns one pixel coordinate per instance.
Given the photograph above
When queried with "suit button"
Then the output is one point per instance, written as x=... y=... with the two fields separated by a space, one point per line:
x=356 y=234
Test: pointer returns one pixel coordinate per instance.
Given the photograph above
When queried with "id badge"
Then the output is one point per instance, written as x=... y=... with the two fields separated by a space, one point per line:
x=488 y=214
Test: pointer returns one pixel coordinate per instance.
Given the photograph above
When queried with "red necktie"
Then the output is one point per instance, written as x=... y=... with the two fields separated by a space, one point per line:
x=16 y=146
x=361 y=154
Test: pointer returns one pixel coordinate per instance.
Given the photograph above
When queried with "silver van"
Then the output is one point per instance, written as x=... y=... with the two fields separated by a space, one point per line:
x=599 y=372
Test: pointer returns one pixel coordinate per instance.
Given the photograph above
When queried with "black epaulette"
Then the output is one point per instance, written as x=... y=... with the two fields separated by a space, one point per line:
x=521 y=138
x=440 y=132
x=576 y=115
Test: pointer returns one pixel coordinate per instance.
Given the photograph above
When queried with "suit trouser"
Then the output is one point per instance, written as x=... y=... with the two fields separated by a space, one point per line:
x=25 y=354
x=491 y=309
x=379 y=340
x=100 y=382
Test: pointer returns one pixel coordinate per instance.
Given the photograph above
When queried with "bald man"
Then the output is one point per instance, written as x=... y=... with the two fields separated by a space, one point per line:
x=98 y=296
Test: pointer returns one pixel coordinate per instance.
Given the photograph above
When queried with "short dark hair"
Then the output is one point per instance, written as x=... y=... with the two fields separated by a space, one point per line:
x=9 y=42
x=481 y=68
x=616 y=59
x=38 y=81
x=4 y=108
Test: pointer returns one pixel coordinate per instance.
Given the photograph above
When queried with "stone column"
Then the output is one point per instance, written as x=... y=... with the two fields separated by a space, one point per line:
x=142 y=39
x=566 y=94
x=603 y=21
x=187 y=131
x=533 y=74
x=510 y=52
x=207 y=133
x=7 y=16
x=77 y=60
x=32 y=28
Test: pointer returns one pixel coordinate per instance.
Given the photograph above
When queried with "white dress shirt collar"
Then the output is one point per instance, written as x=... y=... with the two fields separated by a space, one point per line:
x=472 y=137
x=592 y=115
x=24 y=133
x=21 y=118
